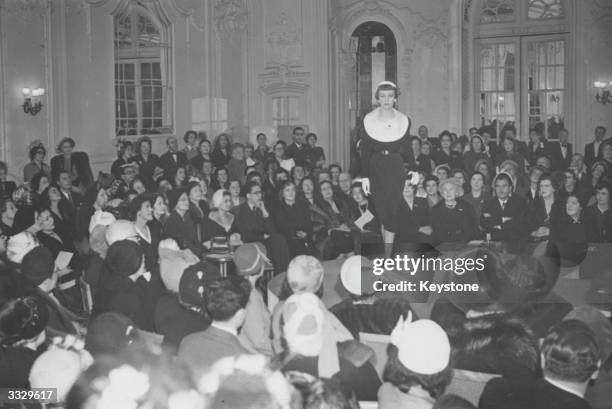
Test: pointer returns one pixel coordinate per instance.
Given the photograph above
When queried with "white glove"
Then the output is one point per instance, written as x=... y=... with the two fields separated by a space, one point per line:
x=365 y=185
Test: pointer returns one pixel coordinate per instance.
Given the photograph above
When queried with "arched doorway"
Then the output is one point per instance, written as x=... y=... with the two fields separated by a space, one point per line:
x=376 y=60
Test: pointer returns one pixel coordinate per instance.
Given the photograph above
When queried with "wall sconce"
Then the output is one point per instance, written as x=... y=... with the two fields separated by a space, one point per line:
x=603 y=95
x=32 y=103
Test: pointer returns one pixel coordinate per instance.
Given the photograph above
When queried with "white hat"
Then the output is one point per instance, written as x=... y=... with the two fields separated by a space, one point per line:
x=356 y=275
x=303 y=328
x=423 y=346
x=386 y=83
x=19 y=245
x=101 y=218
x=120 y=230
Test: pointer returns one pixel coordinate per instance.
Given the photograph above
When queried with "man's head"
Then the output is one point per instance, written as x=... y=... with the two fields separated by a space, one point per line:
x=423 y=132
x=238 y=151
x=570 y=353
x=298 y=134
x=226 y=300
x=600 y=133
x=606 y=151
x=543 y=162
x=172 y=144
x=563 y=136
x=305 y=274
x=503 y=186
x=253 y=193
x=577 y=162
x=64 y=181
x=344 y=182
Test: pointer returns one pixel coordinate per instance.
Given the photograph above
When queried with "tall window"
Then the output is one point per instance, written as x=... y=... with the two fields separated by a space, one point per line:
x=376 y=61
x=521 y=62
x=143 y=92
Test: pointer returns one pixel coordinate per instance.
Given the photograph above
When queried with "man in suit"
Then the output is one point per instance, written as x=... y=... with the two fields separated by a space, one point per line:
x=71 y=200
x=424 y=137
x=538 y=146
x=570 y=361
x=297 y=150
x=503 y=217
x=172 y=159
x=226 y=300
x=578 y=166
x=592 y=151
x=255 y=224
x=561 y=152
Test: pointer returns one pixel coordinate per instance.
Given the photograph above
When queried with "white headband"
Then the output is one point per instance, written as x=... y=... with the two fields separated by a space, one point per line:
x=386 y=83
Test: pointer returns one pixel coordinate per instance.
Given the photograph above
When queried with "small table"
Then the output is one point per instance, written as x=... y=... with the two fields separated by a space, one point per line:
x=223 y=259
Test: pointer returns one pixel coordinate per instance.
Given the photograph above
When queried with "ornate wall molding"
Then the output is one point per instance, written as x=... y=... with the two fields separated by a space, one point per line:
x=25 y=10
x=230 y=18
x=283 y=42
x=284 y=79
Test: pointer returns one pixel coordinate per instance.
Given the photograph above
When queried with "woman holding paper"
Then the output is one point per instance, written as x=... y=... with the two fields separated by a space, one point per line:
x=385 y=146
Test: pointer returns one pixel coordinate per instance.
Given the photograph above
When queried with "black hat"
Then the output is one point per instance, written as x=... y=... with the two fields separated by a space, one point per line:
x=195 y=281
x=22 y=318
x=109 y=333
x=38 y=265
x=124 y=257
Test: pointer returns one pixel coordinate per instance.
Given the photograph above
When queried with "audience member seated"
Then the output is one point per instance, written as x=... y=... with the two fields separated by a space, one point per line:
x=236 y=166
x=182 y=310
x=330 y=223
x=292 y=219
x=220 y=155
x=503 y=217
x=446 y=156
x=544 y=210
x=476 y=153
x=418 y=367
x=570 y=360
x=568 y=233
x=412 y=226
x=453 y=220
x=598 y=217
x=8 y=210
x=192 y=141
x=125 y=152
x=312 y=348
x=221 y=222
x=226 y=301
x=148 y=163
x=172 y=159
x=366 y=310
x=430 y=185
x=251 y=261
x=179 y=225
x=124 y=289
x=46 y=234
x=22 y=334
x=477 y=194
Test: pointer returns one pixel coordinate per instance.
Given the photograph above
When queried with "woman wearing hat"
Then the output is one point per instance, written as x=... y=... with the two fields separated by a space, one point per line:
x=221 y=222
x=385 y=146
x=37 y=165
x=75 y=163
x=452 y=219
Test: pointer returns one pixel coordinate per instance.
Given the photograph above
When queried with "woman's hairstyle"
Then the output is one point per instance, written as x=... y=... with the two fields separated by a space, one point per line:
x=225 y=296
x=430 y=178
x=322 y=393
x=218 y=197
x=312 y=135
x=236 y=145
x=476 y=173
x=123 y=145
x=283 y=186
x=600 y=163
x=604 y=185
x=217 y=143
x=141 y=140
x=508 y=128
x=386 y=86
x=203 y=141
x=63 y=141
x=190 y=132
x=454 y=183
x=305 y=178
x=136 y=204
x=403 y=378
x=269 y=162
x=35 y=148
x=570 y=352
x=35 y=182
x=280 y=142
x=489 y=130
x=482 y=144
x=551 y=179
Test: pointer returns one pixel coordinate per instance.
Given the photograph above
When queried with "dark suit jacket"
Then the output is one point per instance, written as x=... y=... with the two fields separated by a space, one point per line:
x=299 y=154
x=146 y=169
x=492 y=214
x=542 y=150
x=251 y=224
x=6 y=189
x=500 y=393
x=590 y=156
x=559 y=162
x=80 y=163
x=68 y=210
x=169 y=165
x=202 y=349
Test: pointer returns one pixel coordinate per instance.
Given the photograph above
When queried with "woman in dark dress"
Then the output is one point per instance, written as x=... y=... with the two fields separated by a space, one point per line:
x=385 y=146
x=125 y=151
x=315 y=156
x=204 y=155
x=75 y=163
x=568 y=236
x=331 y=224
x=412 y=227
x=148 y=163
x=198 y=208
x=544 y=209
x=477 y=195
x=179 y=225
x=598 y=217
x=141 y=213
x=445 y=155
x=476 y=153
x=453 y=220
x=292 y=219
x=221 y=153
x=47 y=235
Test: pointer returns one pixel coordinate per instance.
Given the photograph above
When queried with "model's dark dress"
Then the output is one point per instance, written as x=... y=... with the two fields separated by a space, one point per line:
x=383 y=164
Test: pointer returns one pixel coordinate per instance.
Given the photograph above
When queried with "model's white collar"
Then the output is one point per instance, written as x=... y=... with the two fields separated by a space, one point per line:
x=386 y=131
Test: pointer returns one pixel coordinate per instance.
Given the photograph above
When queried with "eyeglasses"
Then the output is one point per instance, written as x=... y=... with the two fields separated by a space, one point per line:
x=257 y=192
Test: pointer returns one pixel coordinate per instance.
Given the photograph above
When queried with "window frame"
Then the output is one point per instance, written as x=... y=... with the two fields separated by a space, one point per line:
x=136 y=56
